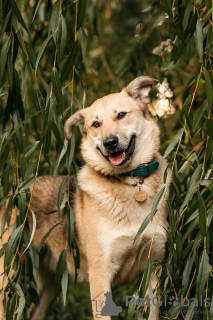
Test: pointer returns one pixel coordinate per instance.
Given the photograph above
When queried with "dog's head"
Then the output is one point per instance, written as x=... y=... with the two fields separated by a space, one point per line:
x=118 y=133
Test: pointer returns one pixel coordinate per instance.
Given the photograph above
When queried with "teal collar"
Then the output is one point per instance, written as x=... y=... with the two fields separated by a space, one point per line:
x=141 y=171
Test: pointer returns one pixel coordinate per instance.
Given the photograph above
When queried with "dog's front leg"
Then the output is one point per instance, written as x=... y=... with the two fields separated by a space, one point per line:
x=154 y=312
x=99 y=286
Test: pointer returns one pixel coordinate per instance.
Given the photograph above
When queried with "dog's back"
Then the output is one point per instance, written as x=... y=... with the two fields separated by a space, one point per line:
x=44 y=206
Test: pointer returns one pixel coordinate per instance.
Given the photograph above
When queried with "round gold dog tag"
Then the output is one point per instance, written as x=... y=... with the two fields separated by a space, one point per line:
x=140 y=195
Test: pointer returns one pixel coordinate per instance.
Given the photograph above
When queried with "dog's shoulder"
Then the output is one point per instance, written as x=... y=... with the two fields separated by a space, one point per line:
x=90 y=180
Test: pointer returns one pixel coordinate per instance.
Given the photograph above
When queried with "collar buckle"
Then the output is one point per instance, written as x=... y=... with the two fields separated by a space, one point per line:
x=132 y=174
x=147 y=169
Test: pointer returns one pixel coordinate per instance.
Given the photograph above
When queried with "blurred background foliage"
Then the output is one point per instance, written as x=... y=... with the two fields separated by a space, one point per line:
x=59 y=56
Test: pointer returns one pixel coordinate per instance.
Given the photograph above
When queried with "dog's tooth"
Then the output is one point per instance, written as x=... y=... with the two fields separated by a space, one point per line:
x=124 y=154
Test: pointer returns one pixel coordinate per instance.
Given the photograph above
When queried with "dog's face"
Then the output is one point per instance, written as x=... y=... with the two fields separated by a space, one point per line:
x=118 y=133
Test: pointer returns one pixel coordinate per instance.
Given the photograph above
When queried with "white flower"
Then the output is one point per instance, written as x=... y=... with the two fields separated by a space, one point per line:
x=162 y=106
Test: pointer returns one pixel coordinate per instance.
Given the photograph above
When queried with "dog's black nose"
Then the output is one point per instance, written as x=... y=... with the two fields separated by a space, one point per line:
x=111 y=142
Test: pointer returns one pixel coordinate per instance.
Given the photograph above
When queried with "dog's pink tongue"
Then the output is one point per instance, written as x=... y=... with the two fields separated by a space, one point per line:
x=116 y=158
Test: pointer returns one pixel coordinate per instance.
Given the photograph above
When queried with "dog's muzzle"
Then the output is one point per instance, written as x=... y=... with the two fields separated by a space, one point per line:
x=118 y=157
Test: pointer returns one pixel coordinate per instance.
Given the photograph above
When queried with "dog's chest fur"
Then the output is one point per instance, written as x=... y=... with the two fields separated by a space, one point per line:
x=109 y=208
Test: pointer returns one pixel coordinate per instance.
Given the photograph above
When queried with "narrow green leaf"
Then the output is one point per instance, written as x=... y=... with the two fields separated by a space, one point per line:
x=202 y=215
x=199 y=39
x=210 y=214
x=70 y=226
x=174 y=142
x=61 y=265
x=21 y=301
x=6 y=216
x=132 y=306
x=75 y=172
x=2 y=250
x=46 y=236
x=199 y=115
x=18 y=14
x=22 y=205
x=30 y=149
x=192 y=217
x=190 y=313
x=33 y=231
x=10 y=65
x=81 y=12
x=57 y=134
x=4 y=26
x=179 y=247
x=195 y=177
x=151 y=214
x=41 y=50
x=57 y=88
x=36 y=9
x=156 y=202
x=3 y=56
x=190 y=228
x=171 y=217
x=208 y=87
x=202 y=274
x=68 y=62
x=1 y=11
x=209 y=37
x=70 y=153
x=168 y=6
x=55 y=18
x=17 y=95
x=5 y=199
x=11 y=246
x=173 y=311
x=64 y=285
x=47 y=146
x=30 y=169
x=83 y=41
x=62 y=154
x=48 y=116
x=25 y=184
x=5 y=178
x=146 y=277
x=143 y=226
x=11 y=307
x=21 y=123
x=209 y=127
x=61 y=38
x=141 y=253
x=192 y=186
x=187 y=12
x=187 y=270
x=177 y=195
x=50 y=212
x=32 y=57
x=60 y=192
x=19 y=37
x=185 y=105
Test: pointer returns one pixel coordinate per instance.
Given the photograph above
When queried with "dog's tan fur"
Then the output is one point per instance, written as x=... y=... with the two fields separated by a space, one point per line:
x=107 y=216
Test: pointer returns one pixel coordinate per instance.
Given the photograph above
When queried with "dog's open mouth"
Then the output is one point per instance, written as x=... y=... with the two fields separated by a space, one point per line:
x=121 y=157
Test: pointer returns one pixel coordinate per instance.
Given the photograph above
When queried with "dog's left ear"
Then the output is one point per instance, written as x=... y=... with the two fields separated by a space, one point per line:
x=139 y=89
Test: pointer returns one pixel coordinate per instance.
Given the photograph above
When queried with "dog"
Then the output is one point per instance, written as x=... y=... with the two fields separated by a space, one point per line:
x=117 y=186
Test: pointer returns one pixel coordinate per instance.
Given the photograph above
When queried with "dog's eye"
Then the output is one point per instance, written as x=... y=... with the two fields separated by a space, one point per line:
x=121 y=115
x=96 y=124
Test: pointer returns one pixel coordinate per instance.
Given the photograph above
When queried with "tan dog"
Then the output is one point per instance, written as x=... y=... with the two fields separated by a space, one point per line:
x=118 y=137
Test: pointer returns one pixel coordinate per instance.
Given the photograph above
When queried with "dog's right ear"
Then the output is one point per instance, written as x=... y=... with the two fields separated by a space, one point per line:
x=76 y=119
